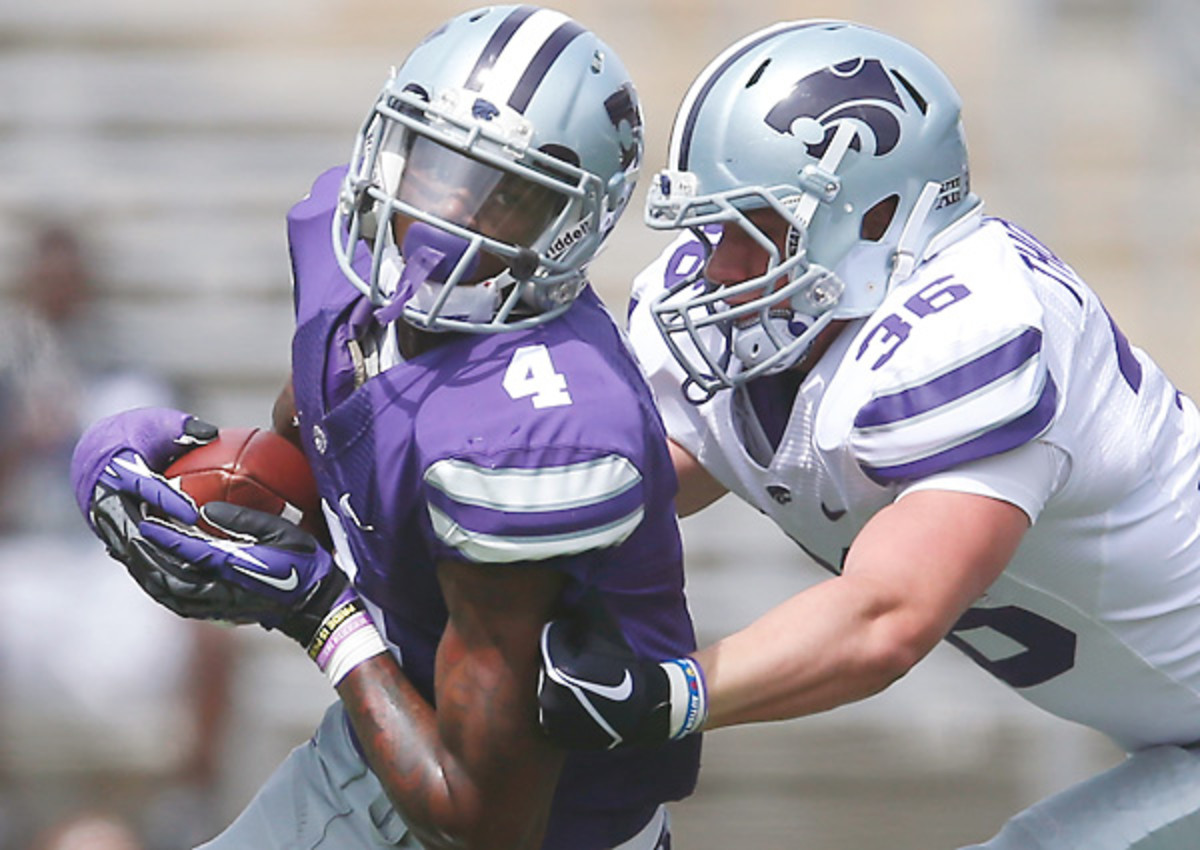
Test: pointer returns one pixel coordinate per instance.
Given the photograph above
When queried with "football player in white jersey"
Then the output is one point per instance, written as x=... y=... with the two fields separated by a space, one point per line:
x=931 y=404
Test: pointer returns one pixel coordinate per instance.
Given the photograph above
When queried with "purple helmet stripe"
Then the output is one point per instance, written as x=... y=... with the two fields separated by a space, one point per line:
x=689 y=126
x=1000 y=439
x=496 y=44
x=536 y=72
x=953 y=385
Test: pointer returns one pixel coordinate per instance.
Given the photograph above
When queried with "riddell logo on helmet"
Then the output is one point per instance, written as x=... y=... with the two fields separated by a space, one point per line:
x=565 y=240
x=859 y=90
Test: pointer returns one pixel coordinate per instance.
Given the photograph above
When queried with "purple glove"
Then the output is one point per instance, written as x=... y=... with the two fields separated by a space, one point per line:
x=270 y=571
x=115 y=473
x=126 y=453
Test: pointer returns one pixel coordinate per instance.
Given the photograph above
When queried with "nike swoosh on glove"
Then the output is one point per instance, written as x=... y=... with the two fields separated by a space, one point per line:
x=268 y=571
x=594 y=693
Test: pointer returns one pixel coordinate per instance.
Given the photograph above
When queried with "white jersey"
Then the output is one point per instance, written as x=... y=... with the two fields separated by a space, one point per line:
x=994 y=370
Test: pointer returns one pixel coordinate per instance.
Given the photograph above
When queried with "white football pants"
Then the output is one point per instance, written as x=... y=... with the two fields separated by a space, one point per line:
x=1151 y=801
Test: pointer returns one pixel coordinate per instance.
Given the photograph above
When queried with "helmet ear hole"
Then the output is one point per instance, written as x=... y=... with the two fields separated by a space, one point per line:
x=878 y=218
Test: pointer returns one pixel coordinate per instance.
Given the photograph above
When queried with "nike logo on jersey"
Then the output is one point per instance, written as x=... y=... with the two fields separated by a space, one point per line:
x=831 y=514
x=348 y=511
x=617 y=693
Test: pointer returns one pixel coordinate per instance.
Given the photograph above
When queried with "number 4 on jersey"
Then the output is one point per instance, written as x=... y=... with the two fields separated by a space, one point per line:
x=531 y=374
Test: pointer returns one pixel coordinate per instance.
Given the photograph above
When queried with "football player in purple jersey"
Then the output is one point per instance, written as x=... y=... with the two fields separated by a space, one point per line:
x=488 y=455
x=936 y=408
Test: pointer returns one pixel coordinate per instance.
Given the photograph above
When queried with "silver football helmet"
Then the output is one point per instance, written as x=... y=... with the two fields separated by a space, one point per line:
x=854 y=138
x=491 y=168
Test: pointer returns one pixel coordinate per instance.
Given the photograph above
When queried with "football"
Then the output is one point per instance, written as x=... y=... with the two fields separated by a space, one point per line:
x=255 y=468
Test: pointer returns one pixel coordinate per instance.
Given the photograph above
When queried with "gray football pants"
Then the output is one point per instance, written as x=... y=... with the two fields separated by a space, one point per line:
x=1151 y=801
x=323 y=797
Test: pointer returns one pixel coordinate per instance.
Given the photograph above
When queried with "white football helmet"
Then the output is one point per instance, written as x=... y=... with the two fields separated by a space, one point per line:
x=826 y=122
x=494 y=163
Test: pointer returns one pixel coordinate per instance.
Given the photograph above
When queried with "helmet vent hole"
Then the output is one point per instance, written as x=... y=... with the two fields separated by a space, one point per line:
x=561 y=152
x=878 y=218
x=419 y=91
x=922 y=104
x=757 y=75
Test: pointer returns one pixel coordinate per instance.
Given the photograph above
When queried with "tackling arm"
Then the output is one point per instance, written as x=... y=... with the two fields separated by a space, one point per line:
x=476 y=772
x=697 y=487
x=911 y=573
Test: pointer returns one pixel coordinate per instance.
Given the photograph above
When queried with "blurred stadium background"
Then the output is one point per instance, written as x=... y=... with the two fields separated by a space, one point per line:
x=173 y=137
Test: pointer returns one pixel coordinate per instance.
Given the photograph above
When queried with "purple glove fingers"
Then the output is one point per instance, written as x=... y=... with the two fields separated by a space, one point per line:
x=129 y=473
x=158 y=434
x=283 y=575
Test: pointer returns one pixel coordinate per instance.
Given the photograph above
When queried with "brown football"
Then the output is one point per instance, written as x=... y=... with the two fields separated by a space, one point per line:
x=255 y=468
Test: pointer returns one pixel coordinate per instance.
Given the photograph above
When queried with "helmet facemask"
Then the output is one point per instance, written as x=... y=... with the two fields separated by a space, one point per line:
x=463 y=218
x=736 y=332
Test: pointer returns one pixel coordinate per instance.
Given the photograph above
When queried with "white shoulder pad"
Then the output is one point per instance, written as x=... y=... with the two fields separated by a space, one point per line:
x=664 y=374
x=950 y=369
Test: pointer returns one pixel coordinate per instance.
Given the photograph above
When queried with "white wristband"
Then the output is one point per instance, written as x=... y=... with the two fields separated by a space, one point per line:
x=364 y=643
x=689 y=697
x=346 y=638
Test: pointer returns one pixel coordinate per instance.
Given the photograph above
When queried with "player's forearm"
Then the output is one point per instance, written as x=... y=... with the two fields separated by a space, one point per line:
x=833 y=644
x=911 y=573
x=398 y=732
x=418 y=756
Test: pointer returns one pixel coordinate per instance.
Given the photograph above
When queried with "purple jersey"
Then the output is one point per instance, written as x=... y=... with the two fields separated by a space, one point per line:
x=540 y=445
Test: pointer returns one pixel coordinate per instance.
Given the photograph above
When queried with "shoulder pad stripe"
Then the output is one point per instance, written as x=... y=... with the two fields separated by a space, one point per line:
x=953 y=385
x=517 y=489
x=567 y=520
x=1002 y=437
x=495 y=548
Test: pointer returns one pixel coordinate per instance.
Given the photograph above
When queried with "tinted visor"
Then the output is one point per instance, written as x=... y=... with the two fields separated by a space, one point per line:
x=456 y=188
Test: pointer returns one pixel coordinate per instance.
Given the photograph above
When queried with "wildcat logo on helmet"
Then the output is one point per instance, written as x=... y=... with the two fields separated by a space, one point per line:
x=626 y=116
x=858 y=90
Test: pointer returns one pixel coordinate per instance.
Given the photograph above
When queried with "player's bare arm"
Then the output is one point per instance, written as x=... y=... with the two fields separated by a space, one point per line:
x=476 y=772
x=911 y=573
x=697 y=487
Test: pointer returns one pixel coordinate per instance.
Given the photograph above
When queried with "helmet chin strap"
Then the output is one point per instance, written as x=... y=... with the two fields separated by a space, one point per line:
x=819 y=182
x=905 y=258
x=415 y=277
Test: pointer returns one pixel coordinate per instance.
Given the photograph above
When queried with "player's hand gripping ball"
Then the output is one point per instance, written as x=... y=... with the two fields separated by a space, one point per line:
x=253 y=468
x=256 y=554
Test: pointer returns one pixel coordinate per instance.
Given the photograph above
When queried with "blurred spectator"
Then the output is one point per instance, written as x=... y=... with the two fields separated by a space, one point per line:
x=112 y=706
x=89 y=831
x=58 y=371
